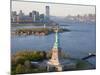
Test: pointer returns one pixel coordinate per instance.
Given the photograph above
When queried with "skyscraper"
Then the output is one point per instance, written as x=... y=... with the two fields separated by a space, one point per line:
x=47 y=13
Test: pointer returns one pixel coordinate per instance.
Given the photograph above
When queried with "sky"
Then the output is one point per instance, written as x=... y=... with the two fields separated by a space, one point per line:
x=55 y=9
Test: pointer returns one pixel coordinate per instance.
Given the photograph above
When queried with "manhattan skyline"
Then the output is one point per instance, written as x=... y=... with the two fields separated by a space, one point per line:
x=55 y=9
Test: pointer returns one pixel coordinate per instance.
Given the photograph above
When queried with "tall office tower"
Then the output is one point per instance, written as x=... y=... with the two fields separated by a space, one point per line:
x=47 y=13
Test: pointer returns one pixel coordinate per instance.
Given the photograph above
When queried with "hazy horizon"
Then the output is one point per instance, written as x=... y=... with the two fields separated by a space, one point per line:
x=55 y=9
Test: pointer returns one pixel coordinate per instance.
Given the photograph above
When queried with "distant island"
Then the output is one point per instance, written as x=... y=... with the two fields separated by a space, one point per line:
x=38 y=31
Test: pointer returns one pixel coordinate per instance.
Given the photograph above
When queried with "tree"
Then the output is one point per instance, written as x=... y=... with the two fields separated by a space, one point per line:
x=44 y=54
x=27 y=64
x=20 y=59
x=48 y=55
x=20 y=69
